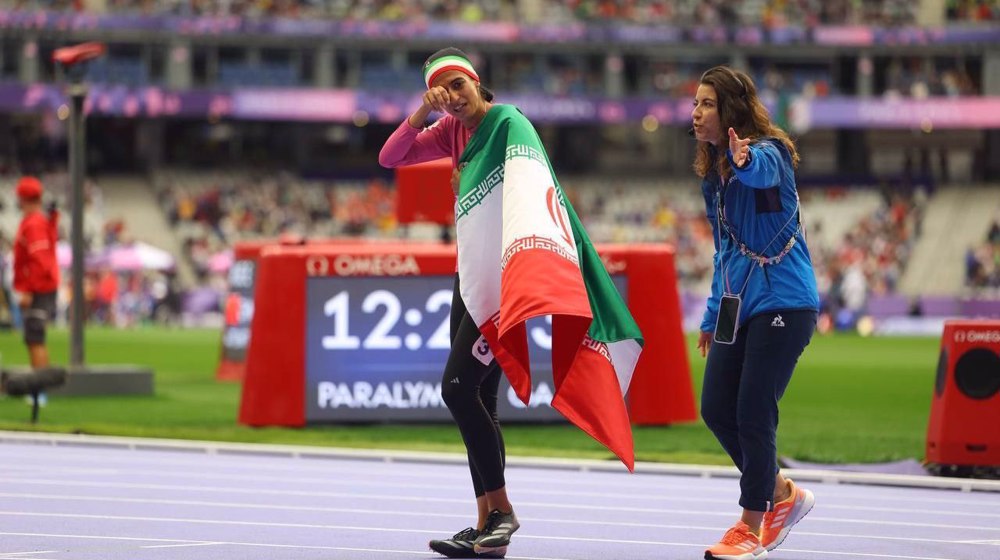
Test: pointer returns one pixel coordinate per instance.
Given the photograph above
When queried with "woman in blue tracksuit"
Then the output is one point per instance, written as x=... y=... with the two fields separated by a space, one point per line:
x=764 y=303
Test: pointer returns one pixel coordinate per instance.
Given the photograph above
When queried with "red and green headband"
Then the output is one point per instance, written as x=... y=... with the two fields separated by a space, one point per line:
x=446 y=63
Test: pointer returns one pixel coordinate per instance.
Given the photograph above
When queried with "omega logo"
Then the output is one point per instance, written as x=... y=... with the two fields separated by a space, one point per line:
x=362 y=265
x=989 y=337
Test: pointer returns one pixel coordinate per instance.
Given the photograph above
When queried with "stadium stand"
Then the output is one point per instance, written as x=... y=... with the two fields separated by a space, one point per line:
x=974 y=209
x=187 y=129
x=684 y=12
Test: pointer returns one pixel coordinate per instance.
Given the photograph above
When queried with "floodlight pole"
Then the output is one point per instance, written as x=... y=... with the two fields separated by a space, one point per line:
x=73 y=60
x=77 y=169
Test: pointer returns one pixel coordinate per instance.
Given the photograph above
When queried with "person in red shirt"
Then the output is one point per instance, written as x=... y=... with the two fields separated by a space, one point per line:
x=36 y=272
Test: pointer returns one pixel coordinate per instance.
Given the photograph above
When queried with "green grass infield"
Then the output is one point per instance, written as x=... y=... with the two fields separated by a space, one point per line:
x=852 y=399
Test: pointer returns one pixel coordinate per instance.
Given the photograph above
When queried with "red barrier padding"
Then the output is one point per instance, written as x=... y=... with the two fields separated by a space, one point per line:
x=232 y=364
x=964 y=425
x=661 y=391
x=423 y=193
x=233 y=368
x=274 y=386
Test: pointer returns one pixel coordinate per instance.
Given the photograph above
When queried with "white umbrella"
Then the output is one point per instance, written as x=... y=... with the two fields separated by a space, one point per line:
x=138 y=256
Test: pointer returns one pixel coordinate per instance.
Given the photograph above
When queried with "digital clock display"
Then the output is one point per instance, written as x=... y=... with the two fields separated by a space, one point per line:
x=376 y=347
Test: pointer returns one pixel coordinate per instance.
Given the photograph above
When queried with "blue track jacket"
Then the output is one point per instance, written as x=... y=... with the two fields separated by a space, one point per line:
x=760 y=205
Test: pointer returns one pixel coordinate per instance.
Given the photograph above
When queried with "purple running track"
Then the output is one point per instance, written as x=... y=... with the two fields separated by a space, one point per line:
x=89 y=502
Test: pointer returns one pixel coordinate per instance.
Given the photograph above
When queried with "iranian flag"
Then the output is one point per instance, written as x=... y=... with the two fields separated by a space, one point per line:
x=522 y=253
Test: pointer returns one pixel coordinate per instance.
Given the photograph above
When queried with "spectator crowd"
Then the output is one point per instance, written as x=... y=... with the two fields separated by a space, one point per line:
x=769 y=13
x=116 y=293
x=982 y=262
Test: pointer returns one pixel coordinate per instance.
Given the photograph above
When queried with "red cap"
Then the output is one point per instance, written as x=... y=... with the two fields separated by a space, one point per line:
x=29 y=188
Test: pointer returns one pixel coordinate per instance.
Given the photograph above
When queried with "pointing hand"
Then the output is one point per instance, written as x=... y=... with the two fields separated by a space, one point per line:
x=739 y=148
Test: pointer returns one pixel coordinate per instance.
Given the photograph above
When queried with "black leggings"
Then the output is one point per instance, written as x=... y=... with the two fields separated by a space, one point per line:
x=469 y=388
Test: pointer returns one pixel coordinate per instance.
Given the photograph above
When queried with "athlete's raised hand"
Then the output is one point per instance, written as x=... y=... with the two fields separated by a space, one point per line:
x=436 y=98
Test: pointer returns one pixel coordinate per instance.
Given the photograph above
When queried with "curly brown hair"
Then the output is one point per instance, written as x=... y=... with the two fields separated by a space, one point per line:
x=740 y=108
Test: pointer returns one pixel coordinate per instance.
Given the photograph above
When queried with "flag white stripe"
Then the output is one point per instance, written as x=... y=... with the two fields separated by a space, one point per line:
x=624 y=355
x=479 y=257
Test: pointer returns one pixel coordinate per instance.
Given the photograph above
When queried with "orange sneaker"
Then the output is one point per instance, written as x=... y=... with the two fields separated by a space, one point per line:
x=737 y=544
x=778 y=522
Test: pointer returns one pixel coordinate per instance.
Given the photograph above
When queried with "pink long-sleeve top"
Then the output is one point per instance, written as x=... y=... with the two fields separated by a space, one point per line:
x=447 y=137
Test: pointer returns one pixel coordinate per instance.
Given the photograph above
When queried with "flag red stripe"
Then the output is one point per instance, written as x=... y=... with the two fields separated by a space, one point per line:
x=537 y=282
x=591 y=399
x=518 y=375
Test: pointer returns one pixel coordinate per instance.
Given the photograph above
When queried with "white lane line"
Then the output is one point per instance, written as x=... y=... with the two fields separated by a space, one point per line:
x=216 y=449
x=424 y=553
x=464 y=501
x=316 y=461
x=181 y=545
x=46 y=468
x=262 y=524
x=331 y=468
x=866 y=554
x=19 y=554
x=353 y=528
x=130 y=462
x=98 y=537
x=645 y=494
x=263 y=545
x=938 y=513
x=357 y=549
x=365 y=468
x=420 y=514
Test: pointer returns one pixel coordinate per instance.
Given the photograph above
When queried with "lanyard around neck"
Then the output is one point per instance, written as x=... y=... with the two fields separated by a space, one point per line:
x=757 y=258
